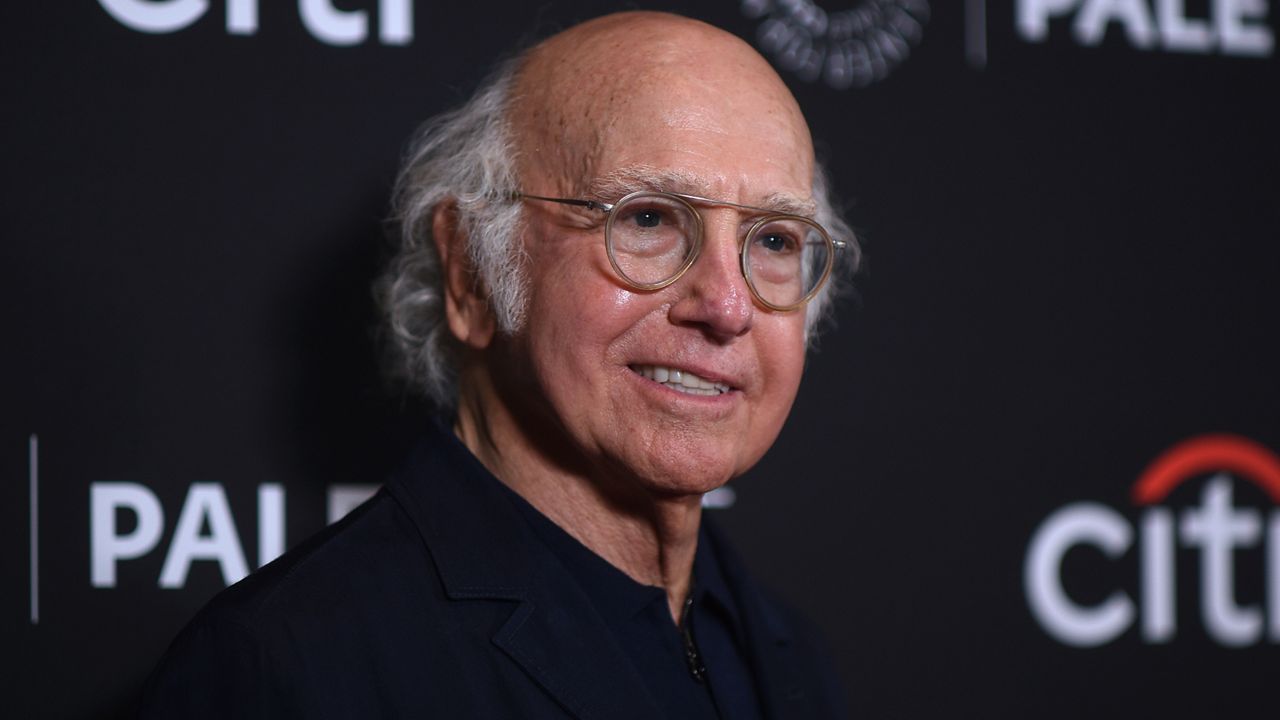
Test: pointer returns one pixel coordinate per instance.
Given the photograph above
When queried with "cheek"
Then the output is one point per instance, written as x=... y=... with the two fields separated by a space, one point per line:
x=782 y=355
x=574 y=324
x=572 y=284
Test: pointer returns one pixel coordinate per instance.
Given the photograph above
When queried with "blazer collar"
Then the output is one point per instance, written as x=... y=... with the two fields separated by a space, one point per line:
x=484 y=550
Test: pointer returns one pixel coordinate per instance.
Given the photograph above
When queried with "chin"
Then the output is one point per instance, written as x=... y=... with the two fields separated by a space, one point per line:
x=688 y=475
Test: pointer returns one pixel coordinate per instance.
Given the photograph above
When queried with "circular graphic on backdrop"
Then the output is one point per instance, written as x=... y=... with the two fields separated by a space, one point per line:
x=853 y=47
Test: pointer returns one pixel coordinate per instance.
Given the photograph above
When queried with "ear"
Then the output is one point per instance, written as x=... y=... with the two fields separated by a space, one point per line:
x=466 y=304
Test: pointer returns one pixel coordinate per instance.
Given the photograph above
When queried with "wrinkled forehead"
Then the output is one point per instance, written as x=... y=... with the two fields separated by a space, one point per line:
x=659 y=97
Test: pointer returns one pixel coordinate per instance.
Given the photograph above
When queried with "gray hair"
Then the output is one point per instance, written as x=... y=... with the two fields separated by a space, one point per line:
x=466 y=156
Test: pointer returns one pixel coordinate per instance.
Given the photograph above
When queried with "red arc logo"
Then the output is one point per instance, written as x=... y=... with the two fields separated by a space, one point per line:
x=1237 y=455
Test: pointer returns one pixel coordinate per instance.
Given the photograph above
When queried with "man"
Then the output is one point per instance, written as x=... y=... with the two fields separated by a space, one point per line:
x=611 y=262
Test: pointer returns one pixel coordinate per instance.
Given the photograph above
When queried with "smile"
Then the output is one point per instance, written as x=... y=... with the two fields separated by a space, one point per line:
x=680 y=380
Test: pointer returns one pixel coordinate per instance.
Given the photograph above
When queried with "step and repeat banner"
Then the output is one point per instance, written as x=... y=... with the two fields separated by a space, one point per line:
x=1032 y=470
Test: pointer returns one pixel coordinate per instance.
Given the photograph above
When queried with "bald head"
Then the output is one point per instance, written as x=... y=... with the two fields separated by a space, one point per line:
x=583 y=93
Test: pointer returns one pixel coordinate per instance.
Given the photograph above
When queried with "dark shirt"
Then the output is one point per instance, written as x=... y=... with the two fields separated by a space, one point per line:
x=640 y=620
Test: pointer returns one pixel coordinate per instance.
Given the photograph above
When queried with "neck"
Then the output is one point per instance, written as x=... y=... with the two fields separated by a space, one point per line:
x=649 y=537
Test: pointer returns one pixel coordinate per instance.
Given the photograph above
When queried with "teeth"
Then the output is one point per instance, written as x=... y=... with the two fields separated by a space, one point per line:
x=681 y=380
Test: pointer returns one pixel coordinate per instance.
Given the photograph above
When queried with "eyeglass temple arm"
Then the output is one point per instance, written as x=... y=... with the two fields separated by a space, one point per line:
x=588 y=204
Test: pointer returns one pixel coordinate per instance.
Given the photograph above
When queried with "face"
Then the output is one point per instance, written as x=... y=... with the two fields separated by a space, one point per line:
x=592 y=352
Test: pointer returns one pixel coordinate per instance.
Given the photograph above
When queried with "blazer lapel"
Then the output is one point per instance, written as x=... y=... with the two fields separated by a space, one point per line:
x=484 y=550
x=557 y=636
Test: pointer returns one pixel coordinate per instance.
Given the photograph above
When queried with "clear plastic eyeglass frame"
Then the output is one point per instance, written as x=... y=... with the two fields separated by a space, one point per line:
x=688 y=201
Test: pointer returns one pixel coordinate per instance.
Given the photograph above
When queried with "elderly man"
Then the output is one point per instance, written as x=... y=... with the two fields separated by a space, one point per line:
x=611 y=261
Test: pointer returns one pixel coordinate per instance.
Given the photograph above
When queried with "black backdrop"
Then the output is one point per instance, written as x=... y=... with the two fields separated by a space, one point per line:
x=1071 y=267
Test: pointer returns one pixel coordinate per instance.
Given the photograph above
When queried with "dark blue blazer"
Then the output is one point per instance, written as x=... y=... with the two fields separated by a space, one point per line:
x=436 y=599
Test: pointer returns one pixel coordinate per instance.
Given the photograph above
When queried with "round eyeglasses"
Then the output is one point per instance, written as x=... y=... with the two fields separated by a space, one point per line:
x=653 y=238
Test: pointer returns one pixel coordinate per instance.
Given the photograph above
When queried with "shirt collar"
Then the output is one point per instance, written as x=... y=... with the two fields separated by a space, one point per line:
x=614 y=593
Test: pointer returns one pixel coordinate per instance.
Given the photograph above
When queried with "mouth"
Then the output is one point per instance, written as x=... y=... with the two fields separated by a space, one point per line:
x=681 y=380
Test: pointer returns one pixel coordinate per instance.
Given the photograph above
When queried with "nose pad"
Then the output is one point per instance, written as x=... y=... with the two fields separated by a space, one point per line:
x=713 y=292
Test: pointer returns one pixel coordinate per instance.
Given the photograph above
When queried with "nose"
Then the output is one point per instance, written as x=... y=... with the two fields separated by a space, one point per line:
x=713 y=293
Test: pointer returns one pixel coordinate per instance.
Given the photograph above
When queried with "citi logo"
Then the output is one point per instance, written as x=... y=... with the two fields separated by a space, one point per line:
x=325 y=22
x=1217 y=530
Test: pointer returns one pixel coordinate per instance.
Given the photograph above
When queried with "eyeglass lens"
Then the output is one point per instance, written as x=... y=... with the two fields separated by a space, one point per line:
x=653 y=238
x=786 y=258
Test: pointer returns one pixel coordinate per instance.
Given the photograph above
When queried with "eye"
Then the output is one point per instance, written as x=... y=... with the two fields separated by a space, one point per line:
x=776 y=242
x=648 y=218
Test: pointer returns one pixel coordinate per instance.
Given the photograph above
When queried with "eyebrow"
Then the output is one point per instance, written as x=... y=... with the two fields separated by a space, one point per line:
x=614 y=185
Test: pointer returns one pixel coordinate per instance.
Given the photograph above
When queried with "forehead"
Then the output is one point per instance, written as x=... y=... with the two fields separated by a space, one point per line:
x=708 y=118
x=669 y=137
x=634 y=178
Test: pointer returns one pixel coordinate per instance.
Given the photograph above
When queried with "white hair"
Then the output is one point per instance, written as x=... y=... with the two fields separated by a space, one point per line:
x=467 y=157
x=847 y=261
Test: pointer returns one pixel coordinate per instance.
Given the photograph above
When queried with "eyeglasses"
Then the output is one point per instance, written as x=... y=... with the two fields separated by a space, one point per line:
x=653 y=238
